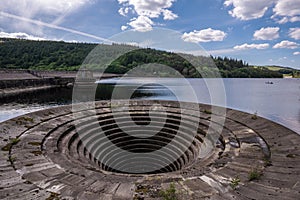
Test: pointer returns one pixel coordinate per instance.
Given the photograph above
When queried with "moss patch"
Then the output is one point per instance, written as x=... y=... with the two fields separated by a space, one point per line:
x=12 y=159
x=254 y=174
x=169 y=193
x=35 y=143
x=12 y=142
x=234 y=183
x=254 y=116
x=207 y=112
x=24 y=120
x=53 y=196
x=37 y=153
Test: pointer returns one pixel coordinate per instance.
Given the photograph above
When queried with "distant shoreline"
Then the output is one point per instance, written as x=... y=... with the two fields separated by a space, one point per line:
x=14 y=82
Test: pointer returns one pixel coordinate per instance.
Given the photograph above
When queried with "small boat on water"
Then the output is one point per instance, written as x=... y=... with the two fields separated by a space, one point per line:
x=269 y=82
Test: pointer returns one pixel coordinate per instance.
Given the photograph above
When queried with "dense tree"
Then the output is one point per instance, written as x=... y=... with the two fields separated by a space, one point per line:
x=51 y=55
x=48 y=55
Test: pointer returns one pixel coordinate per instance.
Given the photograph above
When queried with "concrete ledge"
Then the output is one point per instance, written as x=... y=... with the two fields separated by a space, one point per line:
x=43 y=157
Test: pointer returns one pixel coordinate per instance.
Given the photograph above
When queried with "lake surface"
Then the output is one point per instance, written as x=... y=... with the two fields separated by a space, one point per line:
x=39 y=100
x=279 y=102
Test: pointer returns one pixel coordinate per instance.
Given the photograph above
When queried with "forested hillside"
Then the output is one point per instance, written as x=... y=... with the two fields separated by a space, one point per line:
x=52 y=55
x=48 y=55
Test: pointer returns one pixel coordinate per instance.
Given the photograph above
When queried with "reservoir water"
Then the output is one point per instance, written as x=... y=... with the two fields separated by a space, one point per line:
x=274 y=99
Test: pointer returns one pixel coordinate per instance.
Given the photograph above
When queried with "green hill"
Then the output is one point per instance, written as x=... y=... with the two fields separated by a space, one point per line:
x=53 y=55
x=286 y=71
x=47 y=55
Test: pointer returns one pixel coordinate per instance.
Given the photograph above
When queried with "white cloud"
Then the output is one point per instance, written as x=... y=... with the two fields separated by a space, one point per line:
x=53 y=26
x=295 y=19
x=53 y=10
x=141 y=24
x=281 y=21
x=284 y=20
x=248 y=9
x=286 y=45
x=289 y=10
x=294 y=33
x=251 y=46
x=124 y=11
x=206 y=35
x=30 y=8
x=123 y=28
x=20 y=36
x=297 y=53
x=283 y=11
x=169 y=15
x=220 y=51
x=147 y=10
x=269 y=33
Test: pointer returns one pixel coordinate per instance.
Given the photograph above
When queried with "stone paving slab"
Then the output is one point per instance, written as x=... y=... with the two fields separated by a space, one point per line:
x=43 y=157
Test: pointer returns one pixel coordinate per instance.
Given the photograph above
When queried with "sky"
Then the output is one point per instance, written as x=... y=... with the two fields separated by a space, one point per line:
x=261 y=32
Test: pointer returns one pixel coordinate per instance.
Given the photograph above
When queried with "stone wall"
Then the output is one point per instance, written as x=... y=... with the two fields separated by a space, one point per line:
x=8 y=84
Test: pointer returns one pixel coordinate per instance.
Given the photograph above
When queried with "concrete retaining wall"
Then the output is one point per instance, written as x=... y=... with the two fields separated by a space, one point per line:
x=7 y=84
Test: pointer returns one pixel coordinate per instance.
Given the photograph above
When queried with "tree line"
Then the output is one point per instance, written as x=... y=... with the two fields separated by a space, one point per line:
x=59 y=55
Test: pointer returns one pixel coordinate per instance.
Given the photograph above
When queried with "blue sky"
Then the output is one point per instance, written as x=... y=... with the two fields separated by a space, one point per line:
x=261 y=32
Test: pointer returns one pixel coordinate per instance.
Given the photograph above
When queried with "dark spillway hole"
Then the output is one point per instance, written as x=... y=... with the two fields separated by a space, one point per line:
x=126 y=142
x=141 y=119
x=115 y=133
x=144 y=146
